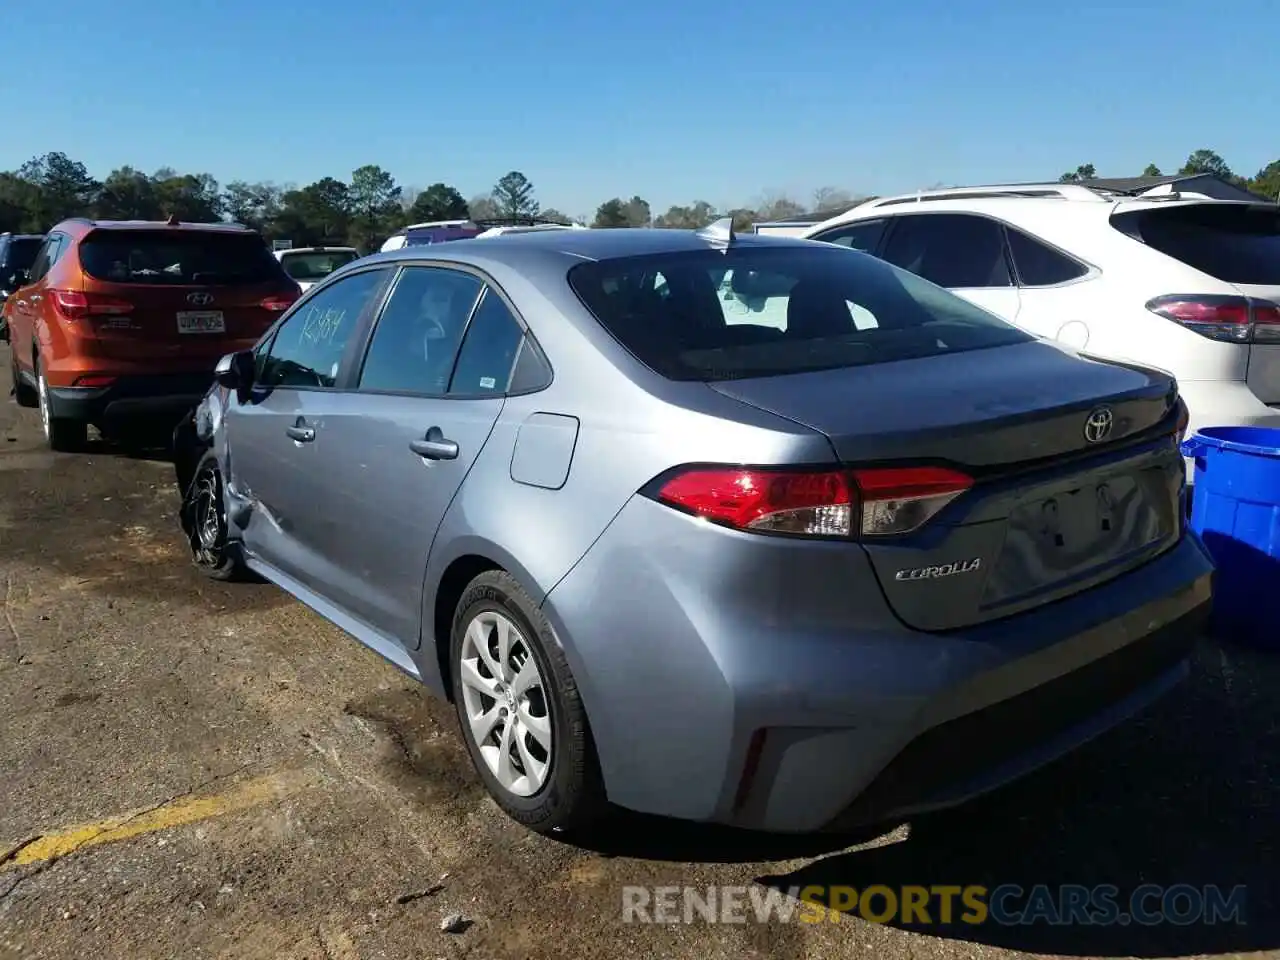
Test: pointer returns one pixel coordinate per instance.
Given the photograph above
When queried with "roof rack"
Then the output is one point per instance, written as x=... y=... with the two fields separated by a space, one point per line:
x=1050 y=191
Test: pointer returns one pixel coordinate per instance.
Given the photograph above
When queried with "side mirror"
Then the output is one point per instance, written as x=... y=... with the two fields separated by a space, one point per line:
x=235 y=372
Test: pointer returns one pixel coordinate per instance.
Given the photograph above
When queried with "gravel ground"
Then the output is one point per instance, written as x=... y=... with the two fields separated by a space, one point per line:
x=351 y=824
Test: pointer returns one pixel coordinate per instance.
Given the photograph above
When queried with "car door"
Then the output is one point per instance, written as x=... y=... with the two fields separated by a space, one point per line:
x=279 y=455
x=432 y=385
x=28 y=302
x=963 y=252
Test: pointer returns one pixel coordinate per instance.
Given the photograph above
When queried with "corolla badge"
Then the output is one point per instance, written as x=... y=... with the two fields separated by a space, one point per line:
x=199 y=298
x=940 y=570
x=1097 y=426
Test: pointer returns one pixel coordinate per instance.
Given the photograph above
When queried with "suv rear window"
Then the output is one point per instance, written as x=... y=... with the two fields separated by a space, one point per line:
x=175 y=257
x=316 y=264
x=1232 y=243
x=710 y=315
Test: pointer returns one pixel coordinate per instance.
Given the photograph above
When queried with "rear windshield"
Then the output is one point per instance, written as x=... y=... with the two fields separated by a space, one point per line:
x=22 y=253
x=315 y=265
x=712 y=315
x=1236 y=244
x=177 y=257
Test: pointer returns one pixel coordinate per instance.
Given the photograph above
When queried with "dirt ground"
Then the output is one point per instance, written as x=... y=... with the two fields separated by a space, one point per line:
x=190 y=769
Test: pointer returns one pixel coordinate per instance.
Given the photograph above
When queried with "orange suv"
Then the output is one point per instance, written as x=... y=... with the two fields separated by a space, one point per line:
x=121 y=320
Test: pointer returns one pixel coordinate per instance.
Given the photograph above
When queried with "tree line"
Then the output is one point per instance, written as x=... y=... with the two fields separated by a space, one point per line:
x=1265 y=183
x=370 y=205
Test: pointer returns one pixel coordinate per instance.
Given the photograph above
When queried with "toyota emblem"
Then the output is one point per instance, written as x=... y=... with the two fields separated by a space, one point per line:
x=1097 y=426
x=200 y=299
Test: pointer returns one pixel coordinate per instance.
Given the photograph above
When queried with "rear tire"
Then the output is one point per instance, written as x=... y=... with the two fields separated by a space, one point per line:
x=62 y=435
x=22 y=391
x=535 y=753
x=204 y=521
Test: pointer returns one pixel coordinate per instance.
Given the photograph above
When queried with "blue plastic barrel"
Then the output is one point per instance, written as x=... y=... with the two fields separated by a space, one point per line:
x=1235 y=510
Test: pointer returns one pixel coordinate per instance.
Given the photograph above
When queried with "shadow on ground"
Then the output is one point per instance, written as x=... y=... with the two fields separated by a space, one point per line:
x=1185 y=796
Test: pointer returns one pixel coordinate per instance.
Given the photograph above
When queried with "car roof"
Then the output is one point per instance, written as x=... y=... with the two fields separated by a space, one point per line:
x=575 y=246
x=83 y=225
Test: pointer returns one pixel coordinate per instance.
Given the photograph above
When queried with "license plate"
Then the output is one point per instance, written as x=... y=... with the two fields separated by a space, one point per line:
x=201 y=321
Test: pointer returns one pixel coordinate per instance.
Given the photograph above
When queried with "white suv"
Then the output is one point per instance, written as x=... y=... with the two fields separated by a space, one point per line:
x=1180 y=282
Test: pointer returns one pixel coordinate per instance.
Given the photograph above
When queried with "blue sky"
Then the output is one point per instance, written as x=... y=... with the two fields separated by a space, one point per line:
x=676 y=100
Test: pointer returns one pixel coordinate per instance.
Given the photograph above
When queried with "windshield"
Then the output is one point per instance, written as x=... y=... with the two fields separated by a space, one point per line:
x=158 y=257
x=315 y=265
x=1236 y=243
x=712 y=315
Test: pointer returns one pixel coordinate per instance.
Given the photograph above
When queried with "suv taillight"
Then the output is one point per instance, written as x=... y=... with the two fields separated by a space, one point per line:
x=873 y=502
x=1223 y=318
x=74 y=305
x=278 y=303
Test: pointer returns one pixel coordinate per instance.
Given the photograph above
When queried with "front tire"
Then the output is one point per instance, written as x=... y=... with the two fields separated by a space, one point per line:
x=64 y=436
x=520 y=712
x=204 y=520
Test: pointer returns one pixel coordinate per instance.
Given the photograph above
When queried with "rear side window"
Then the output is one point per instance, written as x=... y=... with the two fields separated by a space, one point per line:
x=416 y=340
x=488 y=353
x=1230 y=242
x=953 y=250
x=755 y=312
x=177 y=257
x=1039 y=265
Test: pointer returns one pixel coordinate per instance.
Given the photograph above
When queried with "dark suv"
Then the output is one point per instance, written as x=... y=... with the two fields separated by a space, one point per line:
x=17 y=253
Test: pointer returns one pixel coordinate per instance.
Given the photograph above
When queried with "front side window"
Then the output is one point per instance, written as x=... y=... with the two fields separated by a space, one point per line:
x=307 y=349
x=953 y=250
x=756 y=312
x=864 y=236
x=416 y=339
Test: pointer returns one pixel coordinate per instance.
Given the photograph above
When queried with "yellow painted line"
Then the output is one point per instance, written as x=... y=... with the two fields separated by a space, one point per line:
x=175 y=813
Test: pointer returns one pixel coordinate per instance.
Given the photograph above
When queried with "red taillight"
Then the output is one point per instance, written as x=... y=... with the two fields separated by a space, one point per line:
x=277 y=304
x=818 y=503
x=1222 y=318
x=94 y=381
x=74 y=305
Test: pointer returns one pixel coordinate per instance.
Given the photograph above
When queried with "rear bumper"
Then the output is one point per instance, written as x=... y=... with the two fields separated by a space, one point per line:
x=129 y=397
x=764 y=684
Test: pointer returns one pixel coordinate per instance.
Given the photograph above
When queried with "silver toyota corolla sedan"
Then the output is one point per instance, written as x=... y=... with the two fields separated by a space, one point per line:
x=750 y=530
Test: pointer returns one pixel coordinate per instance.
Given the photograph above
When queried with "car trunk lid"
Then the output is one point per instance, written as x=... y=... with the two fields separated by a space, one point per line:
x=1060 y=500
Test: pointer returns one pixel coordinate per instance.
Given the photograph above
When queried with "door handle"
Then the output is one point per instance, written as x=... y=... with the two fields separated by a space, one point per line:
x=36 y=298
x=300 y=433
x=434 y=446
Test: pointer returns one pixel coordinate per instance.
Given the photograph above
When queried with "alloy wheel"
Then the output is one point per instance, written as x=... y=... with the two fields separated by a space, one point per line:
x=505 y=703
